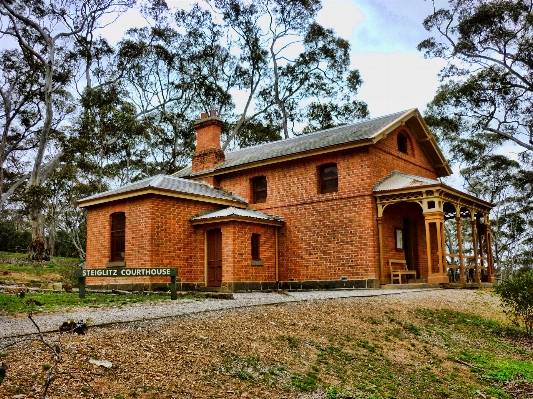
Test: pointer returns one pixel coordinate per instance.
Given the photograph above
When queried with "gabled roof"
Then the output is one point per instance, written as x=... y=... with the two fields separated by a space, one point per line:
x=232 y=213
x=398 y=180
x=346 y=136
x=171 y=186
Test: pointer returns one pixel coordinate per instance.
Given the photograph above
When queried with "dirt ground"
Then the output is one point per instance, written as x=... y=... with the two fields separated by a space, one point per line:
x=293 y=350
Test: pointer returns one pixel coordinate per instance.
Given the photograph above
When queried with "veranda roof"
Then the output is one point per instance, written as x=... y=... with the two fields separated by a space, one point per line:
x=399 y=186
x=232 y=213
x=397 y=180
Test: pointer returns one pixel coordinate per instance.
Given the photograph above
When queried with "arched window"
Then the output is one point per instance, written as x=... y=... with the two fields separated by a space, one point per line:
x=328 y=179
x=256 y=252
x=118 y=236
x=403 y=143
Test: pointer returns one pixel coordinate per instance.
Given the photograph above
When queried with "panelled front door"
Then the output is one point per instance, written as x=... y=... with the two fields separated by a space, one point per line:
x=214 y=258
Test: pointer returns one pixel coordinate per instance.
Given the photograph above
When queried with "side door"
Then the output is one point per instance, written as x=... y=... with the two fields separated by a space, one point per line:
x=214 y=258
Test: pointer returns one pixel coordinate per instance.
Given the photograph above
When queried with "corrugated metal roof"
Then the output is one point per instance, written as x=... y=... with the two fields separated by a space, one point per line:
x=324 y=138
x=398 y=180
x=231 y=211
x=173 y=184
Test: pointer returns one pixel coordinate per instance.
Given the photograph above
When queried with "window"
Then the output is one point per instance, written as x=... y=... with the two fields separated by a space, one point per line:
x=259 y=188
x=398 y=238
x=328 y=178
x=118 y=236
x=255 y=247
x=402 y=143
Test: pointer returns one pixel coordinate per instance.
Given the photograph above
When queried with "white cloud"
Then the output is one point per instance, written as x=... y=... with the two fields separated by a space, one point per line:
x=396 y=81
x=341 y=15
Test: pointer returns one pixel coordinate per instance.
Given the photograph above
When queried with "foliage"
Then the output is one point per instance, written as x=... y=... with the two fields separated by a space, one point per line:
x=295 y=69
x=79 y=115
x=482 y=111
x=13 y=238
x=45 y=32
x=517 y=297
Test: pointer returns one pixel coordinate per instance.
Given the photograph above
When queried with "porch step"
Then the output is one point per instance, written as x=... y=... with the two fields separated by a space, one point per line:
x=409 y=286
x=466 y=285
x=210 y=289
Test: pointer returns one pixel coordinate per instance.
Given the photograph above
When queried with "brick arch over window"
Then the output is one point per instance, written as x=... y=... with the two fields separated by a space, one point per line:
x=403 y=142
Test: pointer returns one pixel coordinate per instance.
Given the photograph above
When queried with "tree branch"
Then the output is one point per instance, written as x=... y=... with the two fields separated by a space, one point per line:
x=510 y=137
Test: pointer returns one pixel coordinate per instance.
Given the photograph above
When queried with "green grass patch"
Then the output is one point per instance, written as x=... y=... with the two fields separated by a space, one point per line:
x=60 y=301
x=501 y=369
x=305 y=382
x=37 y=272
x=450 y=317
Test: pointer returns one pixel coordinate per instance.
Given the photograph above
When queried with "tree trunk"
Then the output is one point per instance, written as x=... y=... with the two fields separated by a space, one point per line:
x=52 y=236
x=38 y=250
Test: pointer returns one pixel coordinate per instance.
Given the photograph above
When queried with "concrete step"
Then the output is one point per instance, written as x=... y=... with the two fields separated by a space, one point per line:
x=408 y=286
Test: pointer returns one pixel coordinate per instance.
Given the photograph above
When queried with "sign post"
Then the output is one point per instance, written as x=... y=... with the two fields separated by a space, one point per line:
x=171 y=272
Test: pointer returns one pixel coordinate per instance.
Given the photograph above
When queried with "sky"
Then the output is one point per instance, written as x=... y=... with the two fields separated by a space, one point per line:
x=383 y=35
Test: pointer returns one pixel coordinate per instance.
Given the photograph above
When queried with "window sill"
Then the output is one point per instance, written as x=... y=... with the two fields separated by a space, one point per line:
x=116 y=264
x=257 y=263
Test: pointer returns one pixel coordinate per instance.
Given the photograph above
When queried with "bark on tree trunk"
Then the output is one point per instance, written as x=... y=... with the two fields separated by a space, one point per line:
x=38 y=250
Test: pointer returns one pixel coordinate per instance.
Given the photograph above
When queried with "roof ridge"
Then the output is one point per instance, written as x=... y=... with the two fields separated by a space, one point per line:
x=157 y=179
x=319 y=131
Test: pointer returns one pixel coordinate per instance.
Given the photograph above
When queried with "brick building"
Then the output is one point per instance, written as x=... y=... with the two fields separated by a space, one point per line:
x=339 y=208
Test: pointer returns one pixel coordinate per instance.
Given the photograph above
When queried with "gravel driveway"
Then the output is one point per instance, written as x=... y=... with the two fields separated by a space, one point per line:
x=17 y=326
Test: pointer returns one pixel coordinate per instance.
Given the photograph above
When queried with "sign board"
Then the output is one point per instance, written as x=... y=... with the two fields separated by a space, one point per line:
x=129 y=272
x=171 y=272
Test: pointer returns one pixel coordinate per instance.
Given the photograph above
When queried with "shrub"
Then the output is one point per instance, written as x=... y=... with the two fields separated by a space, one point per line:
x=517 y=297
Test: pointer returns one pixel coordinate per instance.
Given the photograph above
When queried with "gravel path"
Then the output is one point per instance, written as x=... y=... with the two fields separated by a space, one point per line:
x=18 y=326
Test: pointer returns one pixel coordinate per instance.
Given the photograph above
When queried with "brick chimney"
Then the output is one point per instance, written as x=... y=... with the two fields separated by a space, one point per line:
x=208 y=153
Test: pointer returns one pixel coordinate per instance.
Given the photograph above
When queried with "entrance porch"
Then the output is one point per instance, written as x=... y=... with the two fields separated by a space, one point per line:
x=439 y=233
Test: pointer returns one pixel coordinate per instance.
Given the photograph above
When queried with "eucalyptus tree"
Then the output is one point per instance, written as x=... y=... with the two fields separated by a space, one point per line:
x=482 y=110
x=487 y=87
x=175 y=68
x=20 y=114
x=295 y=70
x=44 y=32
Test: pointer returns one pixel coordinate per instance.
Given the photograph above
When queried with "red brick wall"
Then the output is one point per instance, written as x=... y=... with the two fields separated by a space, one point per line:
x=386 y=158
x=237 y=251
x=158 y=233
x=327 y=236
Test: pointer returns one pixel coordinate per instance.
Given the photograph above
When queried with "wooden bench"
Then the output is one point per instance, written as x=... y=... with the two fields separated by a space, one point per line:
x=397 y=274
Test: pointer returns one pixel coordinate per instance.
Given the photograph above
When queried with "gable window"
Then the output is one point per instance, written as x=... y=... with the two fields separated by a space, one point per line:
x=255 y=247
x=118 y=236
x=403 y=143
x=328 y=178
x=259 y=189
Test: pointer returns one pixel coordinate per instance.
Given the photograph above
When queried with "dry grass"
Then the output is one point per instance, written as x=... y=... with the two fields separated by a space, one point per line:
x=405 y=346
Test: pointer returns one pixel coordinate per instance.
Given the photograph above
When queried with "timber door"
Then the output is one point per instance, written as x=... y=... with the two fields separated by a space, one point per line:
x=214 y=258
